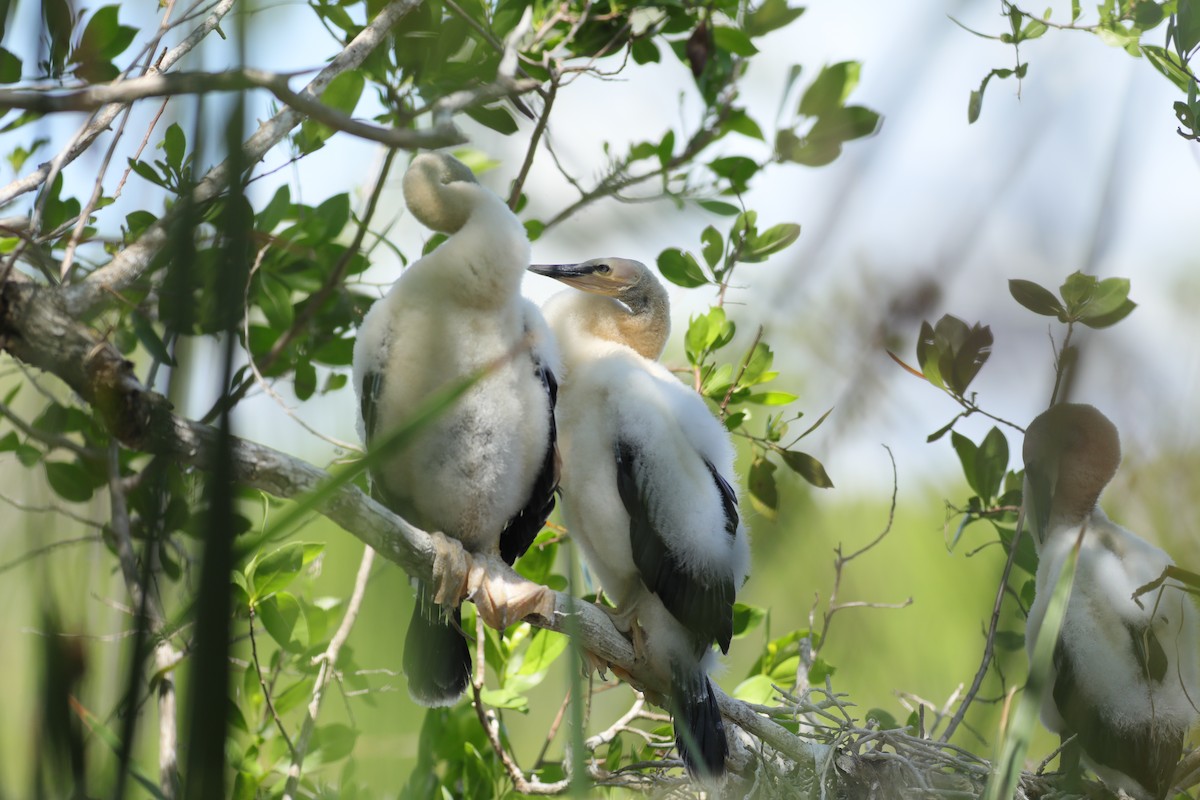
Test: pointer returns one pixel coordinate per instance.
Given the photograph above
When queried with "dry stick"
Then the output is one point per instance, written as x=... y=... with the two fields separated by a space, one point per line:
x=97 y=193
x=262 y=682
x=131 y=262
x=515 y=195
x=44 y=549
x=107 y=114
x=328 y=661
x=989 y=644
x=53 y=440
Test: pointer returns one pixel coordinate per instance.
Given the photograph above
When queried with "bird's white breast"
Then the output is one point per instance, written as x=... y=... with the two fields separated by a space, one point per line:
x=458 y=474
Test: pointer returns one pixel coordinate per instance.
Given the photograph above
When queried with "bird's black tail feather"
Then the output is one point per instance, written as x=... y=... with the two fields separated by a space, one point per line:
x=437 y=660
x=699 y=731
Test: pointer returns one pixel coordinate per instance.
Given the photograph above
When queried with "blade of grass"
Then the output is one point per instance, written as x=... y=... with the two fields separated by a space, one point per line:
x=1018 y=729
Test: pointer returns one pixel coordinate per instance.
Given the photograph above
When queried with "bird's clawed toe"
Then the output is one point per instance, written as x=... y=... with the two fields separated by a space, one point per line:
x=502 y=597
x=451 y=568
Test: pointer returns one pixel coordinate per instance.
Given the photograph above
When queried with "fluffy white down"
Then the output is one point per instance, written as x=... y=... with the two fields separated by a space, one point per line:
x=451 y=313
x=1113 y=562
x=610 y=391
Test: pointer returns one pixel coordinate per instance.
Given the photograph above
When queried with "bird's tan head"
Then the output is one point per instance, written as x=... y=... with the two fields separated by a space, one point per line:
x=430 y=195
x=611 y=277
x=1071 y=452
x=641 y=315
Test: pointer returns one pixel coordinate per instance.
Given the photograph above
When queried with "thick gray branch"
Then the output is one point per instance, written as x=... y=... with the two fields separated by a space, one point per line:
x=88 y=98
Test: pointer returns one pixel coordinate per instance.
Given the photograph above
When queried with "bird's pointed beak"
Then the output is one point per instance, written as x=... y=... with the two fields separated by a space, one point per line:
x=1039 y=494
x=584 y=276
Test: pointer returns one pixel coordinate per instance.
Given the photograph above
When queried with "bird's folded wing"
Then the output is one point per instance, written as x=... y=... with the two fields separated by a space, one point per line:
x=701 y=599
x=522 y=529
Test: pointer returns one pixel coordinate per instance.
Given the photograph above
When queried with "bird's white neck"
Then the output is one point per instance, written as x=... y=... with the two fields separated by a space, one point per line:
x=587 y=325
x=482 y=264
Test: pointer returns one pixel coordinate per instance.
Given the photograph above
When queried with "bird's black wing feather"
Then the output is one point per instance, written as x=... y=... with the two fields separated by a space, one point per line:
x=368 y=403
x=728 y=500
x=702 y=603
x=1147 y=753
x=522 y=529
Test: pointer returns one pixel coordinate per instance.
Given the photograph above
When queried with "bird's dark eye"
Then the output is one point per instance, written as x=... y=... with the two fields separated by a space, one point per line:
x=604 y=269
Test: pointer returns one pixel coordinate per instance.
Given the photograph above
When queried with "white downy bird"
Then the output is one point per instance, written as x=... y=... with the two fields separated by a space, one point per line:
x=484 y=472
x=647 y=479
x=1125 y=675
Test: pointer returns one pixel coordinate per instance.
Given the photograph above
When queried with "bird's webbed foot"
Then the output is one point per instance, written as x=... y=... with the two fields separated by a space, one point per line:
x=451 y=568
x=503 y=597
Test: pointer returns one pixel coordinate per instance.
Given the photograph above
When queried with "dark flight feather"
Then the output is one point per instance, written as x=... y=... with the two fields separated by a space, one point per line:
x=522 y=529
x=702 y=604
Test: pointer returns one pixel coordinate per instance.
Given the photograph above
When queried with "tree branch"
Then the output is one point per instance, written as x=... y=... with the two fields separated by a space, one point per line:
x=91 y=97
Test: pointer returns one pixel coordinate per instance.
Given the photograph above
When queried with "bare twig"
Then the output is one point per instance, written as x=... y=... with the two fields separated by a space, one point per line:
x=103 y=119
x=266 y=690
x=328 y=661
x=44 y=549
x=990 y=641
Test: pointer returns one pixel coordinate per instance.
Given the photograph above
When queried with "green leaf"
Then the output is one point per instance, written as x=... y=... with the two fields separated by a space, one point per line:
x=883 y=719
x=808 y=468
x=1112 y=318
x=505 y=698
x=150 y=339
x=991 y=463
x=756 y=689
x=174 y=146
x=277 y=569
x=820 y=670
x=1187 y=26
x=771 y=15
x=280 y=614
x=772 y=398
x=680 y=268
x=275 y=300
x=746 y=618
x=770 y=241
x=712 y=246
x=495 y=117
x=830 y=89
x=10 y=69
x=294 y=696
x=718 y=207
x=731 y=40
x=703 y=333
x=967 y=457
x=69 y=480
x=645 y=51
x=1077 y=290
x=306 y=380
x=758 y=366
x=331 y=743
x=764 y=495
x=739 y=121
x=1037 y=299
x=738 y=170
x=1168 y=64
x=1110 y=294
x=544 y=649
